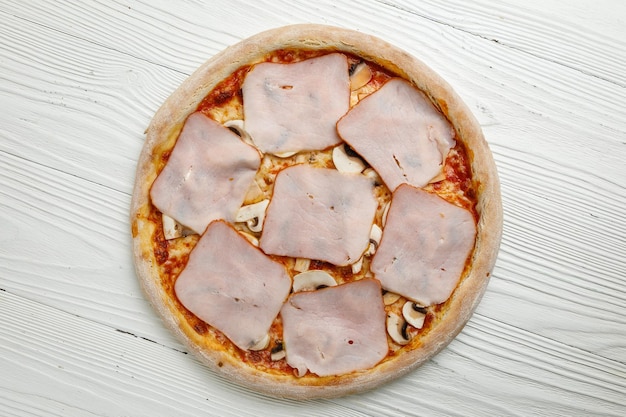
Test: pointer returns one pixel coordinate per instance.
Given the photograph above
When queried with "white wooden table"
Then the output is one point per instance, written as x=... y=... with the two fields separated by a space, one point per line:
x=79 y=82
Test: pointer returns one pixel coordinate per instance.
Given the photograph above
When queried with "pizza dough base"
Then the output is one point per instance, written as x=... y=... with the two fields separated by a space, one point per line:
x=164 y=130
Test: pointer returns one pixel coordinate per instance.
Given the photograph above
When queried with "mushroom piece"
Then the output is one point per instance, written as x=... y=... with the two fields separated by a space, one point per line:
x=285 y=154
x=373 y=175
x=376 y=234
x=385 y=213
x=302 y=264
x=397 y=329
x=172 y=229
x=312 y=280
x=251 y=238
x=261 y=344
x=253 y=215
x=390 y=297
x=278 y=351
x=414 y=314
x=357 y=266
x=345 y=162
x=237 y=127
x=359 y=76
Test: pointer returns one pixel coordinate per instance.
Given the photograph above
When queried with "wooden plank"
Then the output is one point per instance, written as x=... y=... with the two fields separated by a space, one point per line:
x=66 y=365
x=584 y=35
x=496 y=369
x=74 y=106
x=66 y=243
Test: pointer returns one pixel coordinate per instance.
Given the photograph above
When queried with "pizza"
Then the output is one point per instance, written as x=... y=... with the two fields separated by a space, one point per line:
x=315 y=212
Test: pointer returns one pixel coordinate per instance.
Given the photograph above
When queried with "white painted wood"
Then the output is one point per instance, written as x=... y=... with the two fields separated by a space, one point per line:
x=578 y=34
x=79 y=368
x=79 y=82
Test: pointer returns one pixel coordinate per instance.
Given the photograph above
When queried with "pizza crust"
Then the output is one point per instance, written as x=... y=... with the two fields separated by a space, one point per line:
x=164 y=129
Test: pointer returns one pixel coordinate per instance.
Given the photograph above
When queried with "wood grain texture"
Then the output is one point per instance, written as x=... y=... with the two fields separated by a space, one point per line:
x=79 y=82
x=79 y=369
x=577 y=34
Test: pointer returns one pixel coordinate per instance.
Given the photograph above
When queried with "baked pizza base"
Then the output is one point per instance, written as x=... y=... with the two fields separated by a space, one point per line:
x=456 y=311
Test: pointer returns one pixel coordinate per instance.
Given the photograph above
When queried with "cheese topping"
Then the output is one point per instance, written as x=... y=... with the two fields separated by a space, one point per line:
x=400 y=133
x=319 y=213
x=207 y=175
x=425 y=245
x=294 y=107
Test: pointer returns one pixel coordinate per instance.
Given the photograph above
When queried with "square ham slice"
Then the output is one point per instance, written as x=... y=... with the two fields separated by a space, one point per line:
x=335 y=330
x=399 y=132
x=294 y=107
x=232 y=285
x=426 y=242
x=319 y=213
x=206 y=176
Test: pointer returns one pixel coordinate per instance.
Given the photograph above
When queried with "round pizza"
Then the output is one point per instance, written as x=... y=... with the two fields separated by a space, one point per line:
x=315 y=212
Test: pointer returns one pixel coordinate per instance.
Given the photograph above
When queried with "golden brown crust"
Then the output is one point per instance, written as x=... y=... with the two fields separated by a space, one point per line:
x=163 y=131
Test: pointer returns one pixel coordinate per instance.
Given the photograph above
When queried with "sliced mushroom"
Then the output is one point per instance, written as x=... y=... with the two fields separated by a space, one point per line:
x=253 y=215
x=414 y=314
x=373 y=175
x=278 y=351
x=238 y=127
x=312 y=280
x=302 y=264
x=172 y=229
x=360 y=76
x=345 y=162
x=397 y=329
x=357 y=266
x=390 y=297
x=261 y=344
x=254 y=193
x=285 y=154
x=376 y=234
x=252 y=239
x=385 y=212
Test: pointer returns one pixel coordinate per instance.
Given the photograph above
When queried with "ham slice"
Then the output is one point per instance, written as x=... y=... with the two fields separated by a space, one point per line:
x=207 y=175
x=319 y=213
x=399 y=133
x=294 y=107
x=232 y=285
x=426 y=242
x=335 y=330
